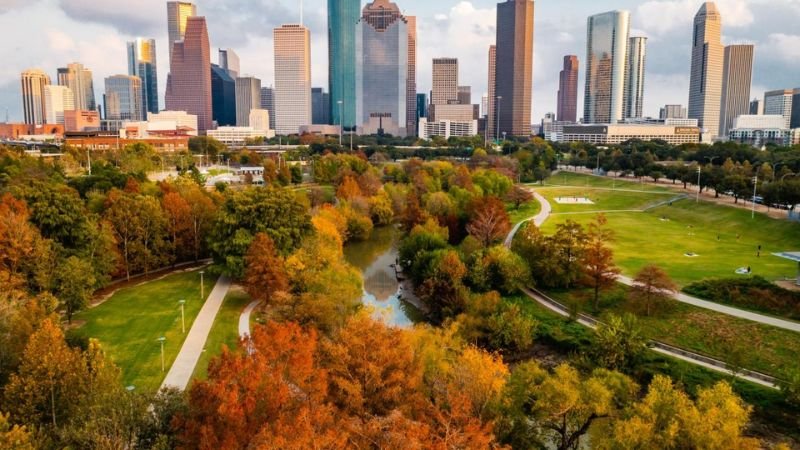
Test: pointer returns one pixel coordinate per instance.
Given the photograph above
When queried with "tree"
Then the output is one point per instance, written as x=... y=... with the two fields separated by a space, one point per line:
x=265 y=275
x=75 y=283
x=619 y=343
x=490 y=222
x=179 y=224
x=568 y=246
x=18 y=238
x=601 y=273
x=202 y=211
x=519 y=195
x=651 y=288
x=14 y=437
x=348 y=190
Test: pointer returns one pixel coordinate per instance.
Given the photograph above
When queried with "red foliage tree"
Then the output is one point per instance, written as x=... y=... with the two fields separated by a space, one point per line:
x=265 y=275
x=490 y=222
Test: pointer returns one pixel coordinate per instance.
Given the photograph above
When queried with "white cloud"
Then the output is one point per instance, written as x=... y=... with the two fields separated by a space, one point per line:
x=783 y=46
x=661 y=17
x=59 y=41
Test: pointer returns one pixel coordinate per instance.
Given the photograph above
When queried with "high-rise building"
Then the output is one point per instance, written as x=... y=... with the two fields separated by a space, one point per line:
x=79 y=80
x=491 y=111
x=568 y=91
x=259 y=119
x=177 y=15
x=673 y=112
x=705 y=87
x=795 y=123
x=142 y=64
x=514 y=66
x=606 y=63
x=57 y=100
x=383 y=70
x=123 y=98
x=189 y=80
x=737 y=77
x=229 y=60
x=292 y=78
x=411 y=79
x=33 y=96
x=223 y=96
x=422 y=105
x=780 y=103
x=268 y=103
x=343 y=16
x=248 y=97
x=445 y=81
x=465 y=95
x=634 y=84
x=320 y=106
x=757 y=107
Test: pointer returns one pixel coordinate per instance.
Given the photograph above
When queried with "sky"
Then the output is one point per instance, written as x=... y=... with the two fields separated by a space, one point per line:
x=48 y=34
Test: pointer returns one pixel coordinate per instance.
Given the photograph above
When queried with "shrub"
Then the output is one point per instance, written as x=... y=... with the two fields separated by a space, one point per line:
x=754 y=293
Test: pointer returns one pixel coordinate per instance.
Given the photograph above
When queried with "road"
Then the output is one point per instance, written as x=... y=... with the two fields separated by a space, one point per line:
x=180 y=374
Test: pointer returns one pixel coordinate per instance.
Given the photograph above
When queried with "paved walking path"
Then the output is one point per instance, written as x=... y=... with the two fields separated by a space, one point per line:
x=244 y=319
x=182 y=369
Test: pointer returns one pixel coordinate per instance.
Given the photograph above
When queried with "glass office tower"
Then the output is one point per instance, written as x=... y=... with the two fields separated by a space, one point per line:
x=606 y=60
x=343 y=16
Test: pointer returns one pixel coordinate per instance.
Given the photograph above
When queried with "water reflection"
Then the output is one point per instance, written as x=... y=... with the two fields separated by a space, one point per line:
x=375 y=258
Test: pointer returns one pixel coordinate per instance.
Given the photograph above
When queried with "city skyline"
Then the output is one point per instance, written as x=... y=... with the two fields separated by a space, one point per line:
x=64 y=43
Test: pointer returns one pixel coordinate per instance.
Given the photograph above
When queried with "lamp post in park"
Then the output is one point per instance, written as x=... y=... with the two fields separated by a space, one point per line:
x=202 y=286
x=161 y=341
x=183 y=316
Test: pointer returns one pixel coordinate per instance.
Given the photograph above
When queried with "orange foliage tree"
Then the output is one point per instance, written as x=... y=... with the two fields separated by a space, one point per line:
x=600 y=273
x=18 y=238
x=265 y=275
x=490 y=222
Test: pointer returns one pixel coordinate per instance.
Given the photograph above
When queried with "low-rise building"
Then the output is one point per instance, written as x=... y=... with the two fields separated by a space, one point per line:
x=78 y=121
x=177 y=119
x=22 y=131
x=615 y=134
x=320 y=130
x=101 y=141
x=447 y=128
x=238 y=135
x=760 y=130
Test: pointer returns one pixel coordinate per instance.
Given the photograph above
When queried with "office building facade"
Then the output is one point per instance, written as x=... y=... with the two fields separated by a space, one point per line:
x=756 y=107
x=321 y=107
x=57 y=100
x=465 y=95
x=705 y=86
x=223 y=96
x=780 y=103
x=268 y=103
x=737 y=77
x=177 y=15
x=422 y=106
x=343 y=17
x=123 y=98
x=606 y=62
x=292 y=78
x=248 y=97
x=514 y=66
x=79 y=79
x=673 y=112
x=33 y=96
x=445 y=81
x=635 y=77
x=568 y=91
x=229 y=61
x=189 y=80
x=491 y=110
x=142 y=63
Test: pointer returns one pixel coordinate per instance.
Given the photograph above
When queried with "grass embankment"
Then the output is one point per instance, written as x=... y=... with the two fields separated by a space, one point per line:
x=524 y=212
x=225 y=331
x=129 y=324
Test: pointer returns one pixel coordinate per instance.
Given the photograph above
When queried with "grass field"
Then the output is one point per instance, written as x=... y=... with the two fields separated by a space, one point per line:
x=723 y=238
x=524 y=212
x=130 y=322
x=224 y=332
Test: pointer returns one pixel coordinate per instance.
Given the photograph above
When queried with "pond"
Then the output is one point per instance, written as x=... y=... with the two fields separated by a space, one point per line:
x=391 y=300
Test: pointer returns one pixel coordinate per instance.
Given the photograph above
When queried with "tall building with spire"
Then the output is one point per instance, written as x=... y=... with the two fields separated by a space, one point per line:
x=634 y=83
x=514 y=67
x=189 y=80
x=79 y=80
x=386 y=70
x=292 y=78
x=705 y=86
x=343 y=16
x=177 y=15
x=607 y=40
x=142 y=63
x=737 y=78
x=33 y=96
x=568 y=91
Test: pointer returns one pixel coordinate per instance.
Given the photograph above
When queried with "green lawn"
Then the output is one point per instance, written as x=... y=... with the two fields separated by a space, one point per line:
x=130 y=322
x=524 y=212
x=224 y=332
x=724 y=238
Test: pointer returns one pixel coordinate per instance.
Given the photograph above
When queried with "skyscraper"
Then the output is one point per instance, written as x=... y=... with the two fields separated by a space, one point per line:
x=268 y=103
x=568 y=91
x=705 y=86
x=673 y=112
x=383 y=70
x=465 y=95
x=33 y=96
x=223 y=96
x=737 y=77
x=189 y=80
x=634 y=84
x=780 y=103
x=411 y=79
x=606 y=61
x=248 y=97
x=229 y=60
x=343 y=16
x=123 y=98
x=292 y=78
x=491 y=111
x=757 y=107
x=445 y=81
x=79 y=80
x=177 y=15
x=514 y=77
x=142 y=63
x=57 y=100
x=320 y=106
x=422 y=106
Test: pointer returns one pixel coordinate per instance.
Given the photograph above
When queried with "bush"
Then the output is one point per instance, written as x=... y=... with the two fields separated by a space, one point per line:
x=754 y=293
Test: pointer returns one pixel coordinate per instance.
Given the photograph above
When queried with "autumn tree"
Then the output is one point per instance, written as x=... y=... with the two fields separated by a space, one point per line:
x=619 y=343
x=413 y=214
x=265 y=274
x=443 y=291
x=18 y=238
x=601 y=273
x=652 y=288
x=348 y=190
x=495 y=325
x=177 y=211
x=75 y=284
x=14 y=437
x=490 y=222
x=519 y=195
x=202 y=211
x=567 y=247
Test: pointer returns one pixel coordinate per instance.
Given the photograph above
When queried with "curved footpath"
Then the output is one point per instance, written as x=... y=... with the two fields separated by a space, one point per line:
x=660 y=347
x=244 y=319
x=182 y=369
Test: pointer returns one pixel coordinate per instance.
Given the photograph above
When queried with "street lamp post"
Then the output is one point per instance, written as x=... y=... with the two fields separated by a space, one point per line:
x=202 y=286
x=183 y=316
x=755 y=191
x=341 y=120
x=699 y=172
x=161 y=341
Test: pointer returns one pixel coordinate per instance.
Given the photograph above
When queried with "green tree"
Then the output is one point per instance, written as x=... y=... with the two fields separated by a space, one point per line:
x=619 y=344
x=75 y=283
